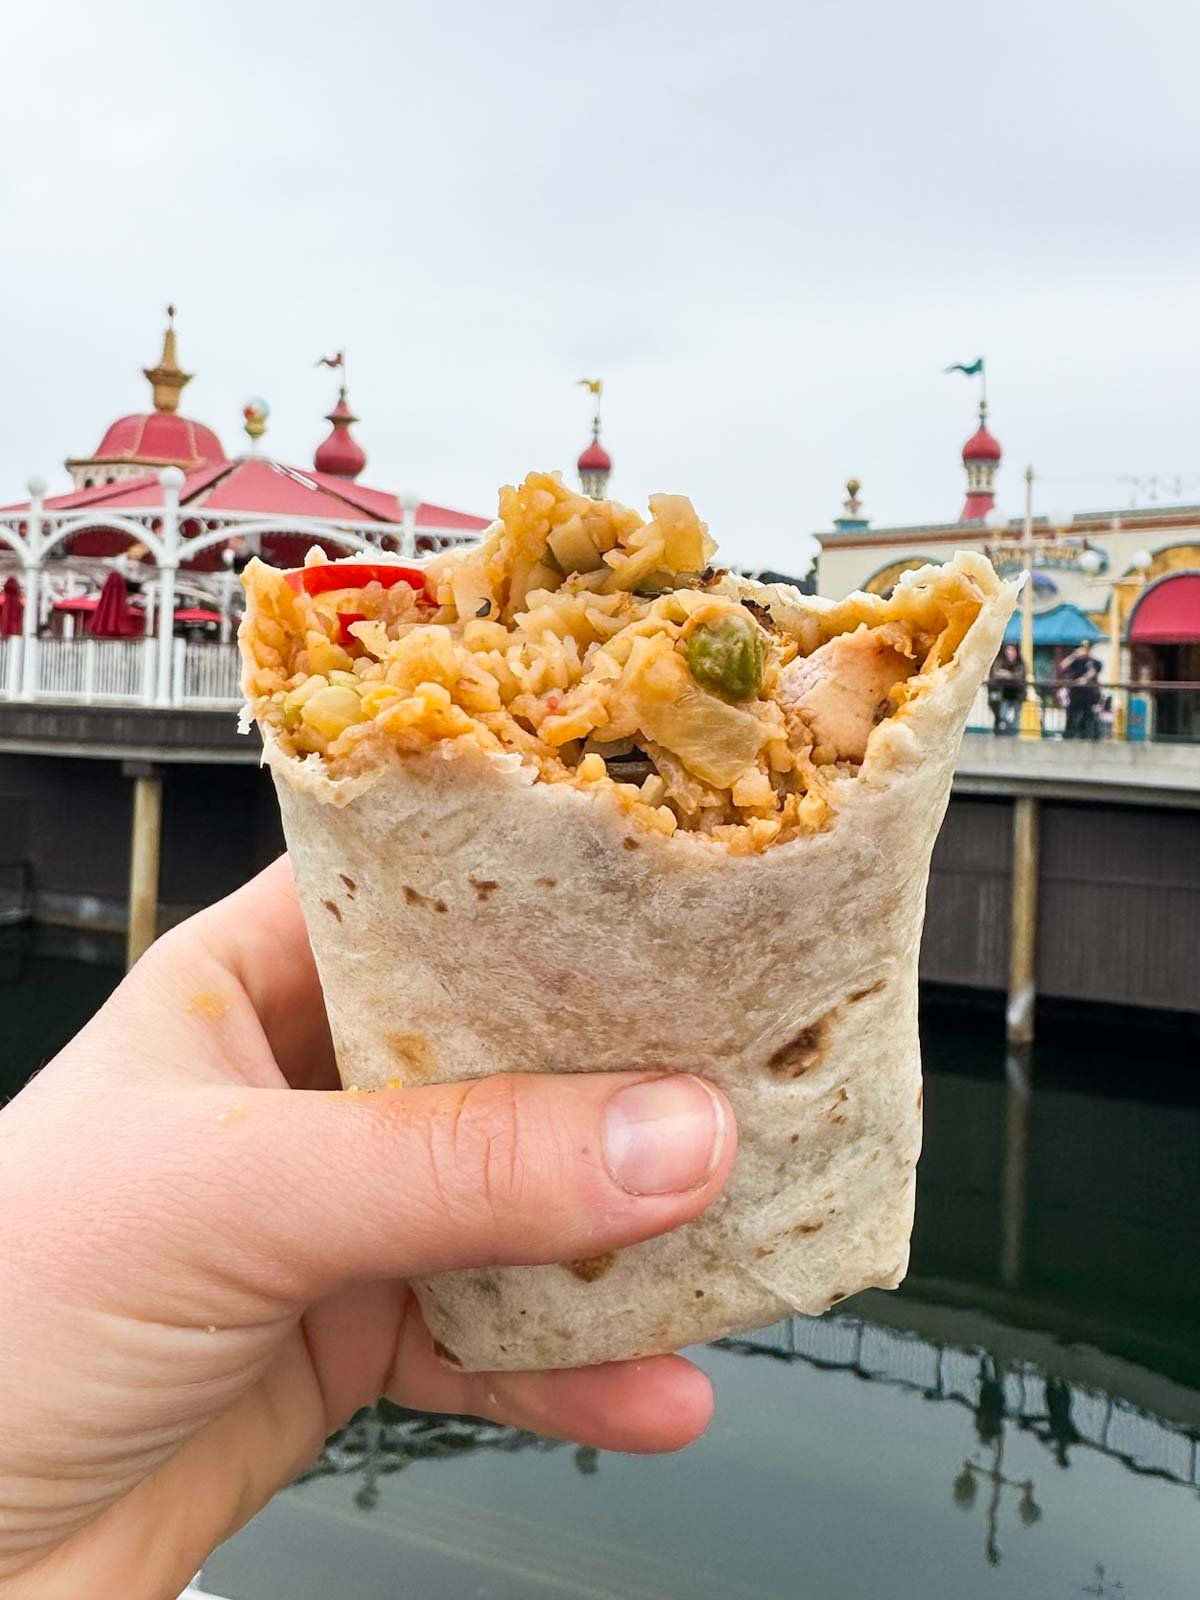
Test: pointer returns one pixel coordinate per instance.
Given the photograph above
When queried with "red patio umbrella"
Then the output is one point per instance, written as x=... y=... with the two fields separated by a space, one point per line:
x=194 y=614
x=12 y=608
x=112 y=618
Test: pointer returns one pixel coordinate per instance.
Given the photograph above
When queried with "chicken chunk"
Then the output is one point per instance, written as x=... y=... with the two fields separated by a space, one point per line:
x=841 y=691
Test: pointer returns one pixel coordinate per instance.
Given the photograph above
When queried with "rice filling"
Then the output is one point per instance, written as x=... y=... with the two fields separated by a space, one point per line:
x=606 y=652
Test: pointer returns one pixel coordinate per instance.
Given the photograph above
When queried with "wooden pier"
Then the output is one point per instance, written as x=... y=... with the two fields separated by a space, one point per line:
x=1069 y=870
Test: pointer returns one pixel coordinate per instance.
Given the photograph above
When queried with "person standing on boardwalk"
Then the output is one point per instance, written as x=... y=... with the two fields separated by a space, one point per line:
x=1082 y=673
x=1006 y=689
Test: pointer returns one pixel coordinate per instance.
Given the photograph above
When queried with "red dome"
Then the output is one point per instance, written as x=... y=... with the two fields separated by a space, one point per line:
x=340 y=455
x=595 y=458
x=160 y=439
x=981 y=446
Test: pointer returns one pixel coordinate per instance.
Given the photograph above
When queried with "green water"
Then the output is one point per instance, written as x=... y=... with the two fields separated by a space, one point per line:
x=1021 y=1419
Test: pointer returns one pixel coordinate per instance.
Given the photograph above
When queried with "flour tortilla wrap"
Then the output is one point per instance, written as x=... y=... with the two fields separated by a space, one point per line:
x=468 y=919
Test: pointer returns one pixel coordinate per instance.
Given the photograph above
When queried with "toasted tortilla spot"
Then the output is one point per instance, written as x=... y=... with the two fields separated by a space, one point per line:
x=631 y=844
x=333 y=909
x=802 y=1052
x=795 y=1139
x=698 y=1294
x=414 y=897
x=861 y=994
x=763 y=1251
x=484 y=888
x=546 y=883
x=351 y=886
x=443 y=1353
x=808 y=1227
x=414 y=1053
x=920 y=1097
x=591 y=1268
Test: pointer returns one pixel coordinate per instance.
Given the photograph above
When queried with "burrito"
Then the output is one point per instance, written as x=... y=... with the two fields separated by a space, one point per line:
x=578 y=799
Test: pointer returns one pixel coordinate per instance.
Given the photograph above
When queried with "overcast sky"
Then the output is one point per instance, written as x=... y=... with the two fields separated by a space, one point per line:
x=767 y=226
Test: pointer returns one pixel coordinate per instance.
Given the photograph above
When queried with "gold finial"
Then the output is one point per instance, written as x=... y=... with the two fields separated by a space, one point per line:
x=852 y=487
x=167 y=378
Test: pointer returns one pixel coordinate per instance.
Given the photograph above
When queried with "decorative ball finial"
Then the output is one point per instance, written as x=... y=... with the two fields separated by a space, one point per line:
x=255 y=413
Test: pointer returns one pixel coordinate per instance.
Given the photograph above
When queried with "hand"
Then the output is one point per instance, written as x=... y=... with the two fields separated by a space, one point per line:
x=202 y=1274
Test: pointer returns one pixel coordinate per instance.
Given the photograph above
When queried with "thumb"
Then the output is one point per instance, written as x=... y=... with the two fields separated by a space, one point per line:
x=306 y=1191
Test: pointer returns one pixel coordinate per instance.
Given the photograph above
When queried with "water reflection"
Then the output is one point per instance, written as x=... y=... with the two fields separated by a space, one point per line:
x=1000 y=1395
x=385 y=1439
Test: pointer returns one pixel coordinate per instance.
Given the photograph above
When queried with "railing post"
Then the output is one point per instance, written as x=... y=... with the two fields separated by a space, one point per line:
x=89 y=671
x=1022 y=957
x=33 y=591
x=179 y=672
x=171 y=479
x=12 y=681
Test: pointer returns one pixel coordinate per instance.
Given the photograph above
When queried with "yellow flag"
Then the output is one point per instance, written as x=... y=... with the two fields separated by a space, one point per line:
x=592 y=385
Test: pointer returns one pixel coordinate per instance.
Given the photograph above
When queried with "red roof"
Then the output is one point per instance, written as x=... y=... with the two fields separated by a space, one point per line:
x=1168 y=611
x=981 y=446
x=158 y=438
x=265 y=488
x=595 y=458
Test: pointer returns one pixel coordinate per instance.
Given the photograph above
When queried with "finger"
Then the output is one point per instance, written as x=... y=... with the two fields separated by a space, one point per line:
x=296 y=1194
x=373 y=1340
x=657 y=1404
x=249 y=951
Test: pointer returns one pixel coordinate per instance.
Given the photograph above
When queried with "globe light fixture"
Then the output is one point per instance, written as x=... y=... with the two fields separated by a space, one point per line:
x=1091 y=562
x=1142 y=561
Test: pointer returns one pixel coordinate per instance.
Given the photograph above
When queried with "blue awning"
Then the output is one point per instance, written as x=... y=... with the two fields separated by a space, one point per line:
x=1063 y=624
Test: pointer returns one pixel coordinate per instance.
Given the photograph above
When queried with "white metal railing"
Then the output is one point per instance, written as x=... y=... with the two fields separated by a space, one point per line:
x=206 y=674
x=89 y=671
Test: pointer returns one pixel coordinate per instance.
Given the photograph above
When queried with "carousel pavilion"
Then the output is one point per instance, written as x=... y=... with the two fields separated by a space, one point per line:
x=124 y=589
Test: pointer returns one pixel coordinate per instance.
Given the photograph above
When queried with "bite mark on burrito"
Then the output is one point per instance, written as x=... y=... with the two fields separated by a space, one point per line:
x=603 y=651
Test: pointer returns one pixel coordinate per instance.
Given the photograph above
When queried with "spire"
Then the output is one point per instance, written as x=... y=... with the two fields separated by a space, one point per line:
x=167 y=378
x=595 y=463
x=981 y=456
x=340 y=455
x=851 y=519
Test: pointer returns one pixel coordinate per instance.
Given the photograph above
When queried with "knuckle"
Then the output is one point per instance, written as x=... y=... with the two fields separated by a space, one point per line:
x=478 y=1155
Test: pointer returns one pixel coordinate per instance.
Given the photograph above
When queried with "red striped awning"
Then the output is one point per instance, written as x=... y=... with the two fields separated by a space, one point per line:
x=1168 y=612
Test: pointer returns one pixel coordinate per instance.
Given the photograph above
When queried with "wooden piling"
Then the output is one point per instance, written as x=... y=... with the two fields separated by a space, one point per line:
x=1022 y=956
x=145 y=840
x=1018 y=1072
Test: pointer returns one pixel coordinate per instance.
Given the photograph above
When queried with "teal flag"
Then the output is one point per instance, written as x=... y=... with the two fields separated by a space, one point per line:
x=971 y=371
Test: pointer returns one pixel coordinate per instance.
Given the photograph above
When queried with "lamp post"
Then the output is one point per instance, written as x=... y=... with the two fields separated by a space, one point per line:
x=1026 y=550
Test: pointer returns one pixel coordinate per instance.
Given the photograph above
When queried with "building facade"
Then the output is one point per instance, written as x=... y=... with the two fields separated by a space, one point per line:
x=1128 y=581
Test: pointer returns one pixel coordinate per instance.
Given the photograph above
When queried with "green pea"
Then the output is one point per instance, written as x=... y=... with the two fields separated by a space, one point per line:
x=729 y=656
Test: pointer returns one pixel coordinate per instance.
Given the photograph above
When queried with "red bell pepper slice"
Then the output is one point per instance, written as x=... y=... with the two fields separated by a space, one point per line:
x=353 y=575
x=345 y=618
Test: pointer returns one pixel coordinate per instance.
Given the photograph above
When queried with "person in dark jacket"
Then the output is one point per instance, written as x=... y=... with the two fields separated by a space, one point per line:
x=1082 y=673
x=1006 y=689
